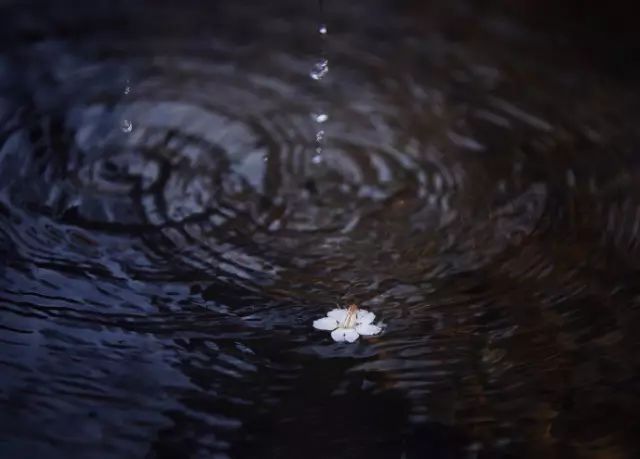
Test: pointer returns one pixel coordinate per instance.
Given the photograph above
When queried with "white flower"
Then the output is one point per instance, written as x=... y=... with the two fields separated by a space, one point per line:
x=348 y=324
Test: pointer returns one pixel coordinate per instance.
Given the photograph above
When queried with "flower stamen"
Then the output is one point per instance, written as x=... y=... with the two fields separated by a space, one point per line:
x=350 y=320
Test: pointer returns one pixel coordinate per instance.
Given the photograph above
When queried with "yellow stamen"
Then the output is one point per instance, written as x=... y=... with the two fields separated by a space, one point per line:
x=350 y=320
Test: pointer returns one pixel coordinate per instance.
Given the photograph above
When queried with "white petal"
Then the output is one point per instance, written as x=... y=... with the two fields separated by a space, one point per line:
x=368 y=329
x=338 y=314
x=364 y=317
x=326 y=323
x=351 y=335
x=344 y=334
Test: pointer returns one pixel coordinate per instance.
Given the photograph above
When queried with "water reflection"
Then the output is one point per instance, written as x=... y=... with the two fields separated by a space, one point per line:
x=158 y=283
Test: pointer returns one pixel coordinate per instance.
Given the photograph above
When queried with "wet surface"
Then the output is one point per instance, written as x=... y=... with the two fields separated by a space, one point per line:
x=166 y=239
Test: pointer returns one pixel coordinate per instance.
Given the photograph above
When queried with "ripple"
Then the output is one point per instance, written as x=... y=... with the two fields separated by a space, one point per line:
x=167 y=239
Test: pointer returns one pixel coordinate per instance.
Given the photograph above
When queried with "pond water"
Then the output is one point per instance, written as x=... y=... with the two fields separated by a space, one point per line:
x=167 y=238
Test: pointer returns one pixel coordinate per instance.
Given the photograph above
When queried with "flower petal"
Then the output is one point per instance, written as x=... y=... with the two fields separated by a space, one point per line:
x=368 y=329
x=326 y=323
x=338 y=314
x=351 y=335
x=344 y=334
x=364 y=317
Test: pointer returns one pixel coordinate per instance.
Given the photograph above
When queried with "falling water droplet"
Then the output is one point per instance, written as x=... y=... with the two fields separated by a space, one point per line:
x=320 y=69
x=318 y=72
x=320 y=117
x=126 y=126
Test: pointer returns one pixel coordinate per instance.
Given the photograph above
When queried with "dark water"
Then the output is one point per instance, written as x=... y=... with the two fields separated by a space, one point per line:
x=166 y=242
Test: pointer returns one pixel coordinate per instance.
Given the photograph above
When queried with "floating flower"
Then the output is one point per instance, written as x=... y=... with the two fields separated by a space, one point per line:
x=348 y=324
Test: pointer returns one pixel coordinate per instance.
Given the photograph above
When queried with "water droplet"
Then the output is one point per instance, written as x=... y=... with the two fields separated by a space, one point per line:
x=126 y=126
x=320 y=69
x=320 y=117
x=127 y=90
x=319 y=136
x=317 y=159
x=323 y=29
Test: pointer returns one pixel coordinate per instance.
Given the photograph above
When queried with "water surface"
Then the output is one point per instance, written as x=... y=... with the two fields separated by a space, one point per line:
x=166 y=238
